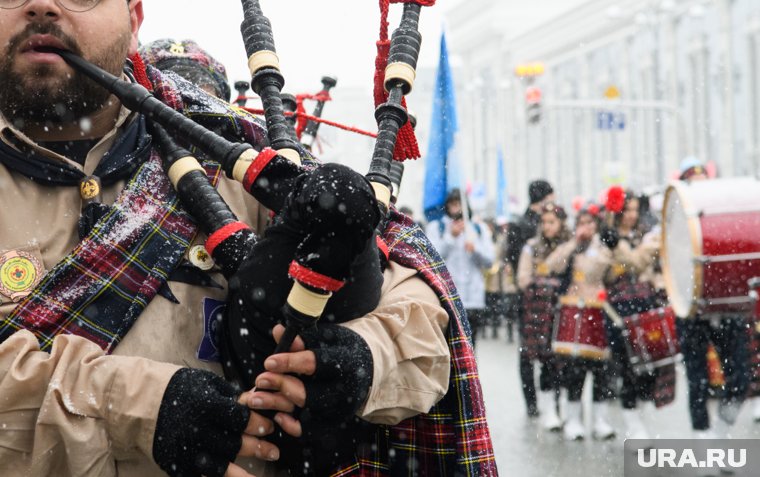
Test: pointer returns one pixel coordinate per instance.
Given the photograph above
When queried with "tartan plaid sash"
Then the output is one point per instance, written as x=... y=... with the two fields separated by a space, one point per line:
x=100 y=289
x=453 y=438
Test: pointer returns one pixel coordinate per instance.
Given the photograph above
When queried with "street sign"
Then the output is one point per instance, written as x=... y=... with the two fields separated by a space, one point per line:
x=610 y=121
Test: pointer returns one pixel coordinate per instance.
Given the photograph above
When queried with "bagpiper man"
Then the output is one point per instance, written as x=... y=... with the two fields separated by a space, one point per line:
x=108 y=355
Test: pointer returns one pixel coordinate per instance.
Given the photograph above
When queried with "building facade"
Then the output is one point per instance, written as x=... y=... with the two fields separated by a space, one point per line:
x=628 y=90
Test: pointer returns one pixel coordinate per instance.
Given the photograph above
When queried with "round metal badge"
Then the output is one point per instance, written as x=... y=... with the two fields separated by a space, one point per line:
x=200 y=258
x=89 y=189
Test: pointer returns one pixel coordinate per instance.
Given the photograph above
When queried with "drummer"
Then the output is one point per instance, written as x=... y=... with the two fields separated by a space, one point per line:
x=582 y=263
x=540 y=292
x=629 y=293
x=728 y=334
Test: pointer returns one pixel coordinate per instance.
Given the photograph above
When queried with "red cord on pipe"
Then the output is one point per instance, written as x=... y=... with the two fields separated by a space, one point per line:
x=309 y=117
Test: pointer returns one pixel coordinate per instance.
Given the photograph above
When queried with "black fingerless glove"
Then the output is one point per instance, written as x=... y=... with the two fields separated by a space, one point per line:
x=200 y=425
x=334 y=393
x=610 y=237
x=343 y=376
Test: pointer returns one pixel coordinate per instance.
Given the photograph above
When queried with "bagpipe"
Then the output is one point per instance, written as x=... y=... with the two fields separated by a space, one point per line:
x=320 y=256
x=302 y=128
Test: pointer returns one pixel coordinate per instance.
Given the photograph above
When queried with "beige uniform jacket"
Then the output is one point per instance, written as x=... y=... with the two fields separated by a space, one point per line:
x=530 y=266
x=591 y=267
x=636 y=261
x=650 y=247
x=77 y=412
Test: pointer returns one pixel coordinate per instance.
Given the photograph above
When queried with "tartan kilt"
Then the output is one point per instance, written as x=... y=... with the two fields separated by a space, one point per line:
x=537 y=324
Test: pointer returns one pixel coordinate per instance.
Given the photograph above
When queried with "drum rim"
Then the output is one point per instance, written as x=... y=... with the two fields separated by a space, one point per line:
x=695 y=234
x=576 y=302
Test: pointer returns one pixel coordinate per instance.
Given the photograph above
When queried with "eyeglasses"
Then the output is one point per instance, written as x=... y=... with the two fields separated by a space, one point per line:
x=70 y=5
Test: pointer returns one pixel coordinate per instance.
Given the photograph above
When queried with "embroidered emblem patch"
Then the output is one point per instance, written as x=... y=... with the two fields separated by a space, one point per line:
x=199 y=257
x=20 y=272
x=618 y=270
x=213 y=310
x=542 y=270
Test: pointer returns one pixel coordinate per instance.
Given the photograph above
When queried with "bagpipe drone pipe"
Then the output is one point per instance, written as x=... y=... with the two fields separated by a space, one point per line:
x=319 y=257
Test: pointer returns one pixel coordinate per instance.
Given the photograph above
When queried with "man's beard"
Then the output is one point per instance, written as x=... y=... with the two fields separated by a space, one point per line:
x=40 y=97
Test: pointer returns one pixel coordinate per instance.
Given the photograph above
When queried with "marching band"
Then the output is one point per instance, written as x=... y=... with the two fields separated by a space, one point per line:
x=627 y=295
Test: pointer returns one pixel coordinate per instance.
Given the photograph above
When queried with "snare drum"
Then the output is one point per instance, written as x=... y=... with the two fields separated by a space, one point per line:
x=651 y=340
x=580 y=332
x=711 y=245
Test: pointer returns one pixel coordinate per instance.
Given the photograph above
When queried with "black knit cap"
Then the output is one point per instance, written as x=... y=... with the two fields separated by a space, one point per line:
x=538 y=190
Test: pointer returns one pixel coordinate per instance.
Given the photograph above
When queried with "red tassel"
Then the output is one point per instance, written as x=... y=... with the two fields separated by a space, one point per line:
x=141 y=72
x=406 y=144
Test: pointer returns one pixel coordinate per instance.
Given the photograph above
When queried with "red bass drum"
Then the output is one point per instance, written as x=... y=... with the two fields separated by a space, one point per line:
x=711 y=245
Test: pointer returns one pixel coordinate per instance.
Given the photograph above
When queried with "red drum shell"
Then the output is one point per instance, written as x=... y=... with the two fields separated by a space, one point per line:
x=580 y=332
x=711 y=245
x=651 y=339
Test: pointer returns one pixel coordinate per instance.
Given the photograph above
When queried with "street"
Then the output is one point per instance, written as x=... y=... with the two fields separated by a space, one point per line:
x=524 y=449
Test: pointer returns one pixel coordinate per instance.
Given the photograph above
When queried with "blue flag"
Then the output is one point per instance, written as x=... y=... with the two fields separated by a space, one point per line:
x=502 y=193
x=441 y=170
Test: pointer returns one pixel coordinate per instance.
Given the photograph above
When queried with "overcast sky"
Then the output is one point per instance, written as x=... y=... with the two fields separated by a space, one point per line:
x=313 y=37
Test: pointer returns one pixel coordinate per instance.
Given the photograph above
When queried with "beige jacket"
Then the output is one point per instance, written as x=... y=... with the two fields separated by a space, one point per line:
x=530 y=266
x=76 y=412
x=591 y=267
x=650 y=246
x=637 y=261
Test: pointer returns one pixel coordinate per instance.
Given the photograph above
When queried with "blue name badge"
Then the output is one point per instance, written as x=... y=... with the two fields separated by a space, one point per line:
x=213 y=310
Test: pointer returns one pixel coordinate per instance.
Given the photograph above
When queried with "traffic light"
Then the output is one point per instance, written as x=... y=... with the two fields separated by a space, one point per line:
x=533 y=104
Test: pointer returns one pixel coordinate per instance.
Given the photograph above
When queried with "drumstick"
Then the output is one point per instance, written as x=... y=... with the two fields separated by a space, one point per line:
x=614 y=316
